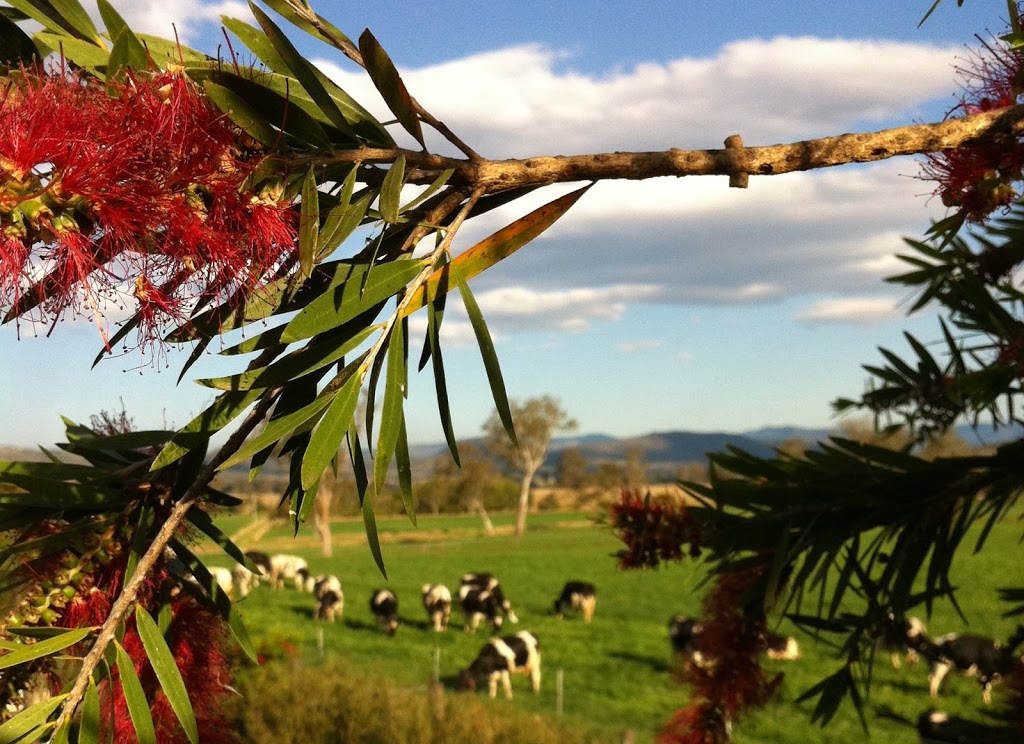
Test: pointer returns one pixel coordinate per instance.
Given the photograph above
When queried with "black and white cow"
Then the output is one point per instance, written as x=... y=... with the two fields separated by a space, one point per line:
x=261 y=559
x=973 y=656
x=903 y=638
x=500 y=657
x=780 y=647
x=487 y=582
x=290 y=568
x=329 y=597
x=577 y=595
x=384 y=606
x=683 y=633
x=479 y=604
x=437 y=601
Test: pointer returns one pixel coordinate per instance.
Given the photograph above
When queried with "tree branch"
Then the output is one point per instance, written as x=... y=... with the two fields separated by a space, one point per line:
x=771 y=160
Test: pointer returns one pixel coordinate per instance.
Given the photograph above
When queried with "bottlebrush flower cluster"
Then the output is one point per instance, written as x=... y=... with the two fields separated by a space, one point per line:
x=131 y=192
x=653 y=530
x=978 y=179
x=730 y=679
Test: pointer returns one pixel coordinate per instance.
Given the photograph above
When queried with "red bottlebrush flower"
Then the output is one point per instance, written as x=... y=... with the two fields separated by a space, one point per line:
x=653 y=530
x=104 y=183
x=730 y=679
x=978 y=179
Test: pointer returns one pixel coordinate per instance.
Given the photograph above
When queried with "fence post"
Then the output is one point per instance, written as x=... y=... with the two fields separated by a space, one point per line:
x=559 y=692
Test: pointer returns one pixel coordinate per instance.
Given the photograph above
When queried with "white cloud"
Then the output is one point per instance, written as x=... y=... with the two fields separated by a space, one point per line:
x=160 y=18
x=631 y=347
x=856 y=310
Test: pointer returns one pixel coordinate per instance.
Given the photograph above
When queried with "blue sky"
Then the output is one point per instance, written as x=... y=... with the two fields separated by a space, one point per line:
x=670 y=304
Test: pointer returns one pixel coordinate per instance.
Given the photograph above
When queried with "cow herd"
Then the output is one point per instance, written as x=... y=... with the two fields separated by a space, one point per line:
x=480 y=598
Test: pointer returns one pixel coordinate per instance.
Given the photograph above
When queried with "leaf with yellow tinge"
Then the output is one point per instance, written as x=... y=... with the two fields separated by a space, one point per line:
x=494 y=248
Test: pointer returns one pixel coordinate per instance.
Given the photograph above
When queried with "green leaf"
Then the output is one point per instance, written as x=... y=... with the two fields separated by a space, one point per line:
x=162 y=660
x=345 y=301
x=80 y=52
x=309 y=223
x=223 y=604
x=288 y=12
x=372 y=538
x=391 y=190
x=344 y=218
x=241 y=113
x=279 y=428
x=89 y=726
x=435 y=314
x=304 y=72
x=43 y=493
x=128 y=50
x=389 y=83
x=164 y=52
x=494 y=248
x=205 y=524
x=15 y=45
x=135 y=697
x=44 y=648
x=488 y=355
x=29 y=720
x=224 y=409
x=327 y=437
x=404 y=466
x=391 y=418
x=65 y=18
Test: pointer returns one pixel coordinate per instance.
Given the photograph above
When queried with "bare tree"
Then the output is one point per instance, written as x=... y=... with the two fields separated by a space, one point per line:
x=536 y=420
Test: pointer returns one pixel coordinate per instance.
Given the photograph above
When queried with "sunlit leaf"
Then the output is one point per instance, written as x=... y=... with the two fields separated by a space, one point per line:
x=389 y=83
x=404 y=467
x=372 y=537
x=494 y=248
x=89 y=725
x=44 y=648
x=391 y=190
x=65 y=18
x=224 y=409
x=167 y=672
x=80 y=52
x=329 y=433
x=135 y=697
x=18 y=728
x=391 y=411
x=487 y=354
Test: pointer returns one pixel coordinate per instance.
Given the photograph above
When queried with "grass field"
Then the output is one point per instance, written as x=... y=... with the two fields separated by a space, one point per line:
x=616 y=672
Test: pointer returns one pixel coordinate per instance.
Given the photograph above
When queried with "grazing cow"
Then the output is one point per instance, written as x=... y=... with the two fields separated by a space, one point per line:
x=938 y=727
x=261 y=559
x=330 y=599
x=972 y=656
x=499 y=657
x=437 y=601
x=683 y=633
x=290 y=568
x=479 y=604
x=780 y=647
x=245 y=580
x=577 y=595
x=384 y=606
x=487 y=582
x=903 y=637
x=223 y=578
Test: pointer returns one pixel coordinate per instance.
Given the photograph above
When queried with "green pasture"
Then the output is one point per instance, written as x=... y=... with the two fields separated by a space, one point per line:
x=616 y=672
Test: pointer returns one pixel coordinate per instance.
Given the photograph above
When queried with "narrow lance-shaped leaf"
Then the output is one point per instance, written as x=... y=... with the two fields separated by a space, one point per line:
x=224 y=409
x=494 y=248
x=44 y=648
x=404 y=466
x=309 y=223
x=391 y=410
x=391 y=190
x=372 y=538
x=15 y=45
x=241 y=112
x=435 y=314
x=204 y=522
x=166 y=669
x=330 y=432
x=488 y=355
x=62 y=17
x=32 y=721
x=302 y=70
x=135 y=697
x=389 y=83
x=89 y=727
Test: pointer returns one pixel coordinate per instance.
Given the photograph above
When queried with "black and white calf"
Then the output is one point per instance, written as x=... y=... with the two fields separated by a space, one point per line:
x=329 y=597
x=437 y=601
x=973 y=656
x=479 y=604
x=577 y=595
x=500 y=657
x=384 y=606
x=903 y=638
x=780 y=647
x=683 y=633
x=487 y=582
x=290 y=568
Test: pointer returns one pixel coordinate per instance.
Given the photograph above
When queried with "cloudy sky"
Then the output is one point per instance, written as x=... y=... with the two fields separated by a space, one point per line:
x=667 y=304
